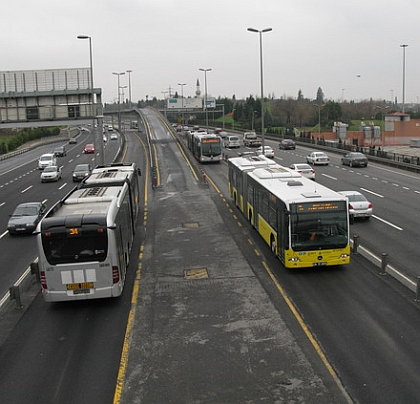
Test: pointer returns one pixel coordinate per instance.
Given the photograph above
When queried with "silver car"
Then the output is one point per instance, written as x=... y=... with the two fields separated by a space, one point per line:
x=316 y=158
x=304 y=169
x=51 y=173
x=359 y=206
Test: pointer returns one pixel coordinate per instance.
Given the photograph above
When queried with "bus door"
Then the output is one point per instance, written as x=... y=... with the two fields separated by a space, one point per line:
x=283 y=231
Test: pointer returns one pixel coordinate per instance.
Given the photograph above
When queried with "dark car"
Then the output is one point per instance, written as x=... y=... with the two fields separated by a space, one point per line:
x=25 y=218
x=355 y=159
x=60 y=151
x=81 y=171
x=287 y=144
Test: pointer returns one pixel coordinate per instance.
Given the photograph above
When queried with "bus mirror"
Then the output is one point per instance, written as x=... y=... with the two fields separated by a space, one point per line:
x=113 y=226
x=139 y=171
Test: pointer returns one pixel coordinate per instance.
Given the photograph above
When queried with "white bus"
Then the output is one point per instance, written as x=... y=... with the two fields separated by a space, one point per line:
x=305 y=223
x=206 y=147
x=84 y=241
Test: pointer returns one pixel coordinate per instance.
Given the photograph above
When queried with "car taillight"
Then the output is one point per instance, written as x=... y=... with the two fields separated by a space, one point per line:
x=313 y=171
x=43 y=279
x=350 y=207
x=115 y=274
x=370 y=206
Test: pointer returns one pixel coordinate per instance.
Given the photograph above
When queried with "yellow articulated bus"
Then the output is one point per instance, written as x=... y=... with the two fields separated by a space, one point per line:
x=305 y=223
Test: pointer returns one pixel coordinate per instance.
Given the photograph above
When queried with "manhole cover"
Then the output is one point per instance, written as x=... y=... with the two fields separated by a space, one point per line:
x=197 y=273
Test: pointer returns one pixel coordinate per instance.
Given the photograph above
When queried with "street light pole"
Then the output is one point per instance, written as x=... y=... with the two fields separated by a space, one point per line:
x=182 y=101
x=205 y=95
x=403 y=89
x=98 y=142
x=129 y=86
x=119 y=98
x=260 y=32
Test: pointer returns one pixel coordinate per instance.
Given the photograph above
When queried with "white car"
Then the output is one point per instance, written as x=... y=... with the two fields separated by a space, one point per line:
x=47 y=159
x=51 y=173
x=317 y=158
x=304 y=169
x=114 y=136
x=359 y=206
x=268 y=151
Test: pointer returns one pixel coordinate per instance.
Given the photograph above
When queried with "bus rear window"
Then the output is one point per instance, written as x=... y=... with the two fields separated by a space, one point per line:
x=65 y=247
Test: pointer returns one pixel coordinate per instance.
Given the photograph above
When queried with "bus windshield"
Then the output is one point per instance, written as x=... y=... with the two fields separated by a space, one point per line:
x=72 y=245
x=315 y=230
x=211 y=147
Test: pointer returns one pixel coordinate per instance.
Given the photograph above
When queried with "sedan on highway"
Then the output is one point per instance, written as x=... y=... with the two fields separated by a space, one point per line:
x=317 y=158
x=25 y=218
x=81 y=171
x=268 y=151
x=304 y=169
x=355 y=159
x=114 y=136
x=359 y=206
x=89 y=148
x=51 y=173
x=287 y=144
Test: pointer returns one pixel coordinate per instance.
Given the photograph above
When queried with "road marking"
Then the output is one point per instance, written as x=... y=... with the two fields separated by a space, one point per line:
x=371 y=192
x=329 y=176
x=26 y=189
x=388 y=223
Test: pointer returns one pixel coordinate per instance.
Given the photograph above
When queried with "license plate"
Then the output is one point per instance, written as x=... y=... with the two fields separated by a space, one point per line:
x=319 y=264
x=79 y=286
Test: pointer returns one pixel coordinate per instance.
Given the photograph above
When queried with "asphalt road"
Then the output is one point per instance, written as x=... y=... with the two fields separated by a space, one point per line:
x=230 y=337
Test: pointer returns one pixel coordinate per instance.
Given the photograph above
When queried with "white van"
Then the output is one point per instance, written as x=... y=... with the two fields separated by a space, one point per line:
x=231 y=142
x=47 y=159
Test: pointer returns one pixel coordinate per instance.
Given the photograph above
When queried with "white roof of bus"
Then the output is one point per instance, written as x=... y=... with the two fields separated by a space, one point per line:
x=89 y=200
x=101 y=175
x=250 y=162
x=291 y=187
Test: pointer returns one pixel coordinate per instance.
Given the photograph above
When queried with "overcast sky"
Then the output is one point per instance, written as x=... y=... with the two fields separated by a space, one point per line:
x=351 y=49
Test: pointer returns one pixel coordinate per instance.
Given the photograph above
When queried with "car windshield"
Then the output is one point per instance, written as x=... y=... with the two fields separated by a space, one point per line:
x=50 y=168
x=26 y=211
x=81 y=168
x=46 y=158
x=356 y=198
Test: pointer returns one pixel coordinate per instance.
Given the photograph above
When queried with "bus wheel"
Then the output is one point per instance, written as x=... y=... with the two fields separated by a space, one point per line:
x=273 y=244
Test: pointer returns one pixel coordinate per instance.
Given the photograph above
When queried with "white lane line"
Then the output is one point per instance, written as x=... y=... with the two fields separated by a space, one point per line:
x=373 y=193
x=26 y=189
x=329 y=176
x=388 y=223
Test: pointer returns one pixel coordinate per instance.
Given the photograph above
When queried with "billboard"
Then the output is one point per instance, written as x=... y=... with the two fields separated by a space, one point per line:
x=185 y=103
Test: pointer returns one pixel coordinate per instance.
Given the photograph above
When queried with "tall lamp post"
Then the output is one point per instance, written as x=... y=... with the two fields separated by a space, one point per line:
x=129 y=86
x=98 y=143
x=182 y=100
x=260 y=32
x=205 y=95
x=119 y=98
x=122 y=124
x=403 y=89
